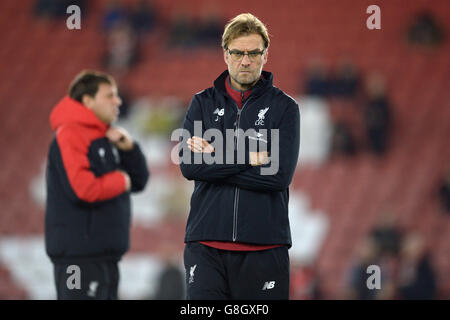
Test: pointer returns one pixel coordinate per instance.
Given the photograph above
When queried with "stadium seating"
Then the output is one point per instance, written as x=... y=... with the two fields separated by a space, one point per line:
x=38 y=59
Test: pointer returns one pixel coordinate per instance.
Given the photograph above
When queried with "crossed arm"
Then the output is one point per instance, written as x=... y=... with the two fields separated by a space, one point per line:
x=200 y=145
x=249 y=175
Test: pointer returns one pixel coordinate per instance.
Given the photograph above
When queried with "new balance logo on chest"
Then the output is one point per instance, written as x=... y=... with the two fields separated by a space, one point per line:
x=269 y=285
x=219 y=112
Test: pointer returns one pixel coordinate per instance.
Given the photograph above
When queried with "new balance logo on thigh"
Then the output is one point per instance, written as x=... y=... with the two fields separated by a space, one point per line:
x=269 y=285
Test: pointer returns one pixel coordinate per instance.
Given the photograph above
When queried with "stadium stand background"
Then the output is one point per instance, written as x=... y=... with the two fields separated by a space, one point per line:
x=39 y=57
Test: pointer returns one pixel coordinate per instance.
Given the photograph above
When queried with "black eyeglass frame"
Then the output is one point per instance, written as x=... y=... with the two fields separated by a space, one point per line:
x=252 y=55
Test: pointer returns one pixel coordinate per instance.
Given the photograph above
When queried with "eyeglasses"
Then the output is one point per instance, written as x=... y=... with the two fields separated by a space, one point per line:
x=238 y=55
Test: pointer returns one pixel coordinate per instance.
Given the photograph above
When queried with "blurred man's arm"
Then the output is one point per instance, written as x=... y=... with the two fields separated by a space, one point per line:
x=132 y=159
x=75 y=171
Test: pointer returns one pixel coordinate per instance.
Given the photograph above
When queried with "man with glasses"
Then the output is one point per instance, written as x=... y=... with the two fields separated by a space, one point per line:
x=237 y=233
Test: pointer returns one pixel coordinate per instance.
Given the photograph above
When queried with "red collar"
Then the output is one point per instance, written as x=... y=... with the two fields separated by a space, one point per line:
x=236 y=94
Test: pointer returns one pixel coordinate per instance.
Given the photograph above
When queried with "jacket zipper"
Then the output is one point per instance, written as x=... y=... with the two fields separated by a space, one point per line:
x=236 y=192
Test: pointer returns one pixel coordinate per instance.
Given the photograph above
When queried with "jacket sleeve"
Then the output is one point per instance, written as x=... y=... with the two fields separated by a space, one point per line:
x=196 y=168
x=289 y=145
x=135 y=164
x=83 y=182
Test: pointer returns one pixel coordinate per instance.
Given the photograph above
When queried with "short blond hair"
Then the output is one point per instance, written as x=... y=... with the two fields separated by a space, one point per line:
x=243 y=25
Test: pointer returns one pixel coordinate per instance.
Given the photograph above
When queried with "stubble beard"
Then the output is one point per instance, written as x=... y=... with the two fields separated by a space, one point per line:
x=246 y=84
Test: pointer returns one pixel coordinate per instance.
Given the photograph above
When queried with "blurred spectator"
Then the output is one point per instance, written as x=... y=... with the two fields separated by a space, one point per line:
x=56 y=8
x=115 y=14
x=121 y=50
x=46 y=8
x=143 y=16
x=343 y=142
x=356 y=287
x=346 y=80
x=387 y=234
x=171 y=280
x=182 y=31
x=377 y=114
x=389 y=265
x=417 y=278
x=124 y=95
x=189 y=32
x=368 y=254
x=304 y=283
x=425 y=31
x=444 y=192
x=210 y=26
x=317 y=82
x=209 y=31
x=125 y=106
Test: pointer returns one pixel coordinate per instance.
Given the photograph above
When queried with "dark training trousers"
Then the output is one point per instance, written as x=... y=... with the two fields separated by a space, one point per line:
x=87 y=281
x=238 y=275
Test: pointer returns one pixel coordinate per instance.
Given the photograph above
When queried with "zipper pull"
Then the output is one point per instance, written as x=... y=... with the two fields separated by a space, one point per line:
x=237 y=117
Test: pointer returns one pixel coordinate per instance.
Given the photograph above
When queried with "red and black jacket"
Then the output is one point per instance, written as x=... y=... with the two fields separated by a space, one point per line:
x=87 y=210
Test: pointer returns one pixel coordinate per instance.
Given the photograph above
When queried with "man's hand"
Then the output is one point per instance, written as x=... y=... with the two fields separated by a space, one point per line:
x=259 y=158
x=197 y=144
x=120 y=138
x=127 y=180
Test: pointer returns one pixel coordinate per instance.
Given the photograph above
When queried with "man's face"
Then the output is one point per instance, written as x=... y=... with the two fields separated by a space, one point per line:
x=105 y=104
x=244 y=73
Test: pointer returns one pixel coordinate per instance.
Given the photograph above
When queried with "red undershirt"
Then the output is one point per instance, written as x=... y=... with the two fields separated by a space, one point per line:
x=227 y=245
